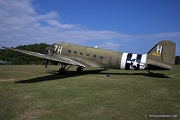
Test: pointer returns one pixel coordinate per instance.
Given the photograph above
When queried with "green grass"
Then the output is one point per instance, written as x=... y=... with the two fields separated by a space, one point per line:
x=33 y=92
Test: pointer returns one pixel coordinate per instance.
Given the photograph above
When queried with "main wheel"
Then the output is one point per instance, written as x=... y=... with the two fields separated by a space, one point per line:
x=62 y=71
x=79 y=69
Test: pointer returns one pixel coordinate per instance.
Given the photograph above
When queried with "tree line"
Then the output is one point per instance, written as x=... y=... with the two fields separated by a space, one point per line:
x=21 y=59
x=177 y=60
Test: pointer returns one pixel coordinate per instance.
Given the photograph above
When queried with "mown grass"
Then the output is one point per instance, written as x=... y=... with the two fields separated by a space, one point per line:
x=33 y=92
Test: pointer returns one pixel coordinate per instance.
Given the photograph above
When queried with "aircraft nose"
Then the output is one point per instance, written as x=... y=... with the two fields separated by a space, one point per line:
x=48 y=49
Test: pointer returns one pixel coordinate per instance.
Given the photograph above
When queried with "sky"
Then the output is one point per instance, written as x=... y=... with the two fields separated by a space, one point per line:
x=121 y=25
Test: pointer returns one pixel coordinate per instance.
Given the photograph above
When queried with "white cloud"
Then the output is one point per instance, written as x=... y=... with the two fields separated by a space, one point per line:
x=47 y=16
x=55 y=23
x=21 y=24
x=161 y=35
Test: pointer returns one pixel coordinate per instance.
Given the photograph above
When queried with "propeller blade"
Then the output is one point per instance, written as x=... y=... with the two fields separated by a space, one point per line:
x=52 y=53
x=46 y=64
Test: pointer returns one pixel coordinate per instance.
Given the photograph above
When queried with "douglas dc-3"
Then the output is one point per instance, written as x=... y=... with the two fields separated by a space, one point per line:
x=160 y=57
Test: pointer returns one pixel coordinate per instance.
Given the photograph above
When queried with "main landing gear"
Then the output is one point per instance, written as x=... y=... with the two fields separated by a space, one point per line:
x=63 y=69
x=79 y=69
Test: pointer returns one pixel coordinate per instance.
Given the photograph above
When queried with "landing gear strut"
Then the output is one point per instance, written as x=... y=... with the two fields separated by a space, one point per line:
x=62 y=70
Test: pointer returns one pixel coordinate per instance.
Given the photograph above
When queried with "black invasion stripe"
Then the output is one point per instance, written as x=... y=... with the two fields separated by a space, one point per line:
x=139 y=56
x=129 y=56
x=127 y=66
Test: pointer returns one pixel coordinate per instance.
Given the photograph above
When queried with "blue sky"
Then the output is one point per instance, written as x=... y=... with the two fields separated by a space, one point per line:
x=120 y=25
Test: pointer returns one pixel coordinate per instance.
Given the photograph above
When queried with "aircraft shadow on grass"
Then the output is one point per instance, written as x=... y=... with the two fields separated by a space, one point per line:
x=53 y=75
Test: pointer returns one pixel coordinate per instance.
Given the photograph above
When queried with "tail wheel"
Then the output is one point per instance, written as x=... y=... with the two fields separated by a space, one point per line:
x=150 y=73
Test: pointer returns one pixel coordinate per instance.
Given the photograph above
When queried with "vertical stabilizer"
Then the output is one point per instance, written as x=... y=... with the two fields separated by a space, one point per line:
x=163 y=52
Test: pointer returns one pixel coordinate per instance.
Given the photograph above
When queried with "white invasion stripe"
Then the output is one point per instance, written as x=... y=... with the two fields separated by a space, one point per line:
x=143 y=59
x=123 y=60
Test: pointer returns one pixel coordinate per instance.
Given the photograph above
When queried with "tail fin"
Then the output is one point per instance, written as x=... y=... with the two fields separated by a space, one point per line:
x=162 y=54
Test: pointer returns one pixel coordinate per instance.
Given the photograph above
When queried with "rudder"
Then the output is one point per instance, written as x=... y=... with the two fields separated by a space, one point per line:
x=163 y=52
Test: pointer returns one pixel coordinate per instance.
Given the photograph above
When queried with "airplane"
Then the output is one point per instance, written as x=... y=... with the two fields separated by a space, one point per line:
x=160 y=57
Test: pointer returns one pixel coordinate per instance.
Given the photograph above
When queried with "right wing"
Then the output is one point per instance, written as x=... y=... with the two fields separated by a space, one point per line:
x=60 y=58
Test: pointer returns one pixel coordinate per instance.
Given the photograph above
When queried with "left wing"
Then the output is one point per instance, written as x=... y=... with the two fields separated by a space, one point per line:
x=60 y=59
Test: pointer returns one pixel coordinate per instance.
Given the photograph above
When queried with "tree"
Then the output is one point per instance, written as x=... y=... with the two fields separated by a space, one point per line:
x=19 y=58
x=177 y=60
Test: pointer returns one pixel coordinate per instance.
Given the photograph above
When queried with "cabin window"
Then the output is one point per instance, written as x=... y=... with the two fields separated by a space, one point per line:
x=81 y=53
x=101 y=57
x=87 y=54
x=75 y=52
x=94 y=55
x=69 y=51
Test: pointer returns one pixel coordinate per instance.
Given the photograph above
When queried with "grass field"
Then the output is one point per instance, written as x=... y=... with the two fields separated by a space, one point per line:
x=33 y=92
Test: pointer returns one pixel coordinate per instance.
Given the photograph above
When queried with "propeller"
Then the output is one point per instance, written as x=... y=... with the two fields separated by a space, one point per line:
x=46 y=63
x=48 y=51
x=52 y=53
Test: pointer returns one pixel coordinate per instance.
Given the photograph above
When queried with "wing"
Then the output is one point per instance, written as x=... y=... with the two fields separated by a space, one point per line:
x=60 y=58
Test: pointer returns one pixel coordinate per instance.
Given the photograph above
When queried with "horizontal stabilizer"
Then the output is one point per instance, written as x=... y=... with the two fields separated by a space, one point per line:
x=154 y=65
